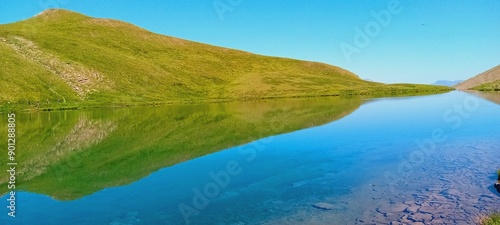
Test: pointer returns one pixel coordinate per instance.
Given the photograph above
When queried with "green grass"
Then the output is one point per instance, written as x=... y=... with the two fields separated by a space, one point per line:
x=492 y=86
x=71 y=154
x=491 y=220
x=92 y=62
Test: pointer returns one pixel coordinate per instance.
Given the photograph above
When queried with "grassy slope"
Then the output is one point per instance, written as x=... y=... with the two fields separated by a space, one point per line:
x=36 y=82
x=99 y=61
x=70 y=154
x=487 y=81
x=492 y=86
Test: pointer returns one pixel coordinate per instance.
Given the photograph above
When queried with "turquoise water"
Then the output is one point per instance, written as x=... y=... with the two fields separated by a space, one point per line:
x=429 y=159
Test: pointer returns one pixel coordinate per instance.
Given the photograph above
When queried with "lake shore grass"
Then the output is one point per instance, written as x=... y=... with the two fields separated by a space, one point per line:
x=489 y=87
x=493 y=219
x=31 y=106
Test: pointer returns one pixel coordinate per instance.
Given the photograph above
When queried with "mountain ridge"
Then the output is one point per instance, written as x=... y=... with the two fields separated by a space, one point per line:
x=486 y=81
x=60 y=56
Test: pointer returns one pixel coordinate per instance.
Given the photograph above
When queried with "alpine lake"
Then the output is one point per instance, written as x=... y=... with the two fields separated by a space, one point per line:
x=332 y=160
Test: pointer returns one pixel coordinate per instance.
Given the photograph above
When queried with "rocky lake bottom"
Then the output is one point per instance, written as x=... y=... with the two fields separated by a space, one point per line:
x=453 y=186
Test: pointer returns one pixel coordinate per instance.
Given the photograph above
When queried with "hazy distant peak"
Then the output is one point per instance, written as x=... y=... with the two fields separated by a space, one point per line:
x=448 y=83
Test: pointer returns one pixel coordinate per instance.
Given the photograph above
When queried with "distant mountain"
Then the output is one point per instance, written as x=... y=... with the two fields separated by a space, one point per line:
x=448 y=83
x=487 y=81
x=60 y=56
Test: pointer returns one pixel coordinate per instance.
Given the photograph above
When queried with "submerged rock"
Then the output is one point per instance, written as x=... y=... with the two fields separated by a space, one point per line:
x=324 y=206
x=497 y=186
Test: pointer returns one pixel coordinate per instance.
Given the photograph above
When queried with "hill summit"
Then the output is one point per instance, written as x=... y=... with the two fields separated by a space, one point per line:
x=62 y=56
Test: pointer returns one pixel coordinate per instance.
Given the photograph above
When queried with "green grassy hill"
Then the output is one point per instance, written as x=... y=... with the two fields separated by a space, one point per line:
x=63 y=59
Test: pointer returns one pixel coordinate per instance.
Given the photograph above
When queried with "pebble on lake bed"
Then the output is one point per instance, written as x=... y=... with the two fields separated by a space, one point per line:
x=324 y=206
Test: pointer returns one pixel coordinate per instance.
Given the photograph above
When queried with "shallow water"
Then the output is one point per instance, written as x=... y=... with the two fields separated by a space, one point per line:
x=415 y=160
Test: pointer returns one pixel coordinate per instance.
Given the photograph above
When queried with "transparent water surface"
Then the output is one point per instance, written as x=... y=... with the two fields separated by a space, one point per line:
x=411 y=160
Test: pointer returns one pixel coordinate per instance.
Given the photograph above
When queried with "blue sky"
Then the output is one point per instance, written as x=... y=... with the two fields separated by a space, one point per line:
x=412 y=41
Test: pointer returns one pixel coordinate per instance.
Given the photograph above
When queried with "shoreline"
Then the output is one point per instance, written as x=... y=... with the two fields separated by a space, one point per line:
x=22 y=107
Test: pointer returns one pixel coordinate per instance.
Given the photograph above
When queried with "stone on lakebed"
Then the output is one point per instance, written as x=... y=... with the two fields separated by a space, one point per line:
x=324 y=206
x=497 y=186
